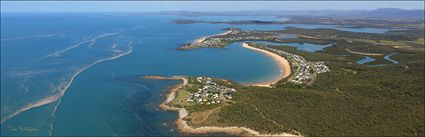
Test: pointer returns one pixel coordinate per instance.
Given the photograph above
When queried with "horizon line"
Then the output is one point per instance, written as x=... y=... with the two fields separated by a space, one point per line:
x=123 y=11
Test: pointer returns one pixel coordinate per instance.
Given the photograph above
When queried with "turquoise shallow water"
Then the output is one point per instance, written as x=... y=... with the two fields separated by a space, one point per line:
x=41 y=53
x=96 y=103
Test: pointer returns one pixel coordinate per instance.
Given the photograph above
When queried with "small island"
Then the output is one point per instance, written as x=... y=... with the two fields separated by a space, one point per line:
x=244 y=22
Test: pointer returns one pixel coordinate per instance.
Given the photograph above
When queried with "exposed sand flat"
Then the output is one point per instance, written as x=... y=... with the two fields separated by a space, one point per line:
x=304 y=36
x=364 y=53
x=284 y=66
x=41 y=102
x=165 y=78
x=184 y=127
x=62 y=89
x=202 y=39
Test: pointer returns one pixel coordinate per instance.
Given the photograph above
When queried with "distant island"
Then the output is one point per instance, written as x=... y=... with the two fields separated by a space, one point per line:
x=382 y=13
x=348 y=22
x=257 y=22
x=379 y=18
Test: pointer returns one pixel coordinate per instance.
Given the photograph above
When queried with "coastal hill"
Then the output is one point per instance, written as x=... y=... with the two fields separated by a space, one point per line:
x=396 y=13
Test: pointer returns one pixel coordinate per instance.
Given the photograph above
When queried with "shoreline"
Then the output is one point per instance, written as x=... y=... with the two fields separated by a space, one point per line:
x=57 y=96
x=202 y=39
x=364 y=53
x=182 y=112
x=285 y=68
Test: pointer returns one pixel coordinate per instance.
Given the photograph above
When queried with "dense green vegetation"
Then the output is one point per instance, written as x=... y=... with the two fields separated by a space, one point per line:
x=350 y=100
x=375 y=99
x=392 y=21
x=395 y=35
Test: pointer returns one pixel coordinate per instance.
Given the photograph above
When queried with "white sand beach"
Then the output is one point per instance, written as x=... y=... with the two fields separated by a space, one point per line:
x=283 y=64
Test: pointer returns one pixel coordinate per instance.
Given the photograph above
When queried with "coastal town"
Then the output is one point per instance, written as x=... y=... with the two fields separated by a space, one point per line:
x=212 y=68
x=306 y=69
x=230 y=36
x=211 y=92
x=202 y=99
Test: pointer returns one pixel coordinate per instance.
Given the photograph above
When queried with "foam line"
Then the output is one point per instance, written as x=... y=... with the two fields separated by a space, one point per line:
x=61 y=89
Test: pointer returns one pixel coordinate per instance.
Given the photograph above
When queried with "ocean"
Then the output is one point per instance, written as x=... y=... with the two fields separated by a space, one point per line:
x=82 y=73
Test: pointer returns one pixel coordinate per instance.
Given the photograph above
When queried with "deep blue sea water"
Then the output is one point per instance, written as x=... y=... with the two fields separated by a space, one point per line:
x=41 y=53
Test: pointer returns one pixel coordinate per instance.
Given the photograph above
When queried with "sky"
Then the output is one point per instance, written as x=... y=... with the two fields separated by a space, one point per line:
x=149 y=6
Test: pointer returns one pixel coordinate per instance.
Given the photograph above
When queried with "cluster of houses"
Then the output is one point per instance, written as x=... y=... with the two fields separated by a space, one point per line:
x=306 y=69
x=320 y=67
x=211 y=92
x=234 y=34
x=208 y=42
x=244 y=38
x=234 y=31
x=212 y=41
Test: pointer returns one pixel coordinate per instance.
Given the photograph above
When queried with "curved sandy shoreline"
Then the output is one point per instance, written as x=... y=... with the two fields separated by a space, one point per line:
x=185 y=128
x=202 y=39
x=285 y=68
